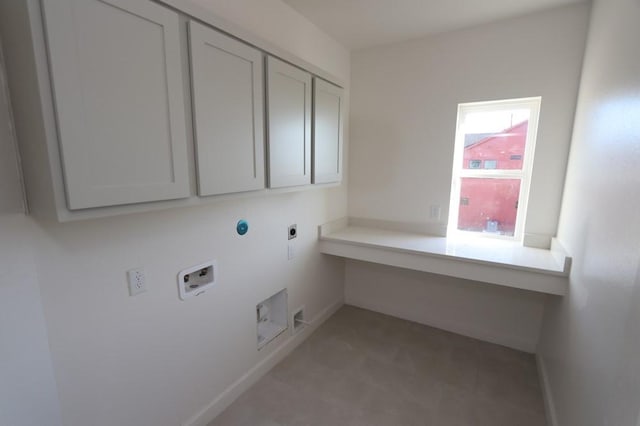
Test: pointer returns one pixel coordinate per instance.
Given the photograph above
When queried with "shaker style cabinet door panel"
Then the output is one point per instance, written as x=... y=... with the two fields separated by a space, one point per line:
x=118 y=88
x=289 y=124
x=228 y=108
x=328 y=110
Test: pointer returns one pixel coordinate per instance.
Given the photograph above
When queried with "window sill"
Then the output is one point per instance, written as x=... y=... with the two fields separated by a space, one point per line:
x=498 y=262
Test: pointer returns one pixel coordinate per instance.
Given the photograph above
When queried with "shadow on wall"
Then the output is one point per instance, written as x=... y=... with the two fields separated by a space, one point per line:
x=11 y=189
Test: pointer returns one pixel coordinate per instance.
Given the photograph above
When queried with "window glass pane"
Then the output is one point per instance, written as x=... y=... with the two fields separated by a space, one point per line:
x=488 y=205
x=496 y=137
x=490 y=164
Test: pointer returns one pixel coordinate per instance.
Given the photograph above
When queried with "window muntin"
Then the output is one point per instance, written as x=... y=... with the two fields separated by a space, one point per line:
x=493 y=157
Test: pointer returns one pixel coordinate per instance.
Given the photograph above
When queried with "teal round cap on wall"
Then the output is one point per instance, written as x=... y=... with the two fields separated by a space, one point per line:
x=242 y=227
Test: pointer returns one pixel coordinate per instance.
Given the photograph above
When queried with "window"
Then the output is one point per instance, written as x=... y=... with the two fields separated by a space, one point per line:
x=493 y=158
x=490 y=164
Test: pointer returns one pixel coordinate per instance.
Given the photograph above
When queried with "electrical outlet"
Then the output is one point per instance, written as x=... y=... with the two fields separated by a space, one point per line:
x=292 y=232
x=137 y=281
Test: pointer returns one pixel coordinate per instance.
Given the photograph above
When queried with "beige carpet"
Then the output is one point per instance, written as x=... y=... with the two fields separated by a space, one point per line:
x=362 y=368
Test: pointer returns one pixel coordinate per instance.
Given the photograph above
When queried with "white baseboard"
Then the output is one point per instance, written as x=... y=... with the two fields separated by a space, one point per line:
x=226 y=398
x=549 y=406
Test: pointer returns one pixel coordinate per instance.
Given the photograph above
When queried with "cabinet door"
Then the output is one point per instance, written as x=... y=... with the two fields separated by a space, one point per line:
x=228 y=107
x=327 y=132
x=289 y=124
x=117 y=79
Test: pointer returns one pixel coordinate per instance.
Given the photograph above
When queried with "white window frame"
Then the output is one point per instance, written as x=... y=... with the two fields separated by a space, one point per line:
x=458 y=172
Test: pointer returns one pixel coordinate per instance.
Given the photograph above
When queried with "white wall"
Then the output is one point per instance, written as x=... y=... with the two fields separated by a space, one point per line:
x=591 y=338
x=493 y=313
x=404 y=107
x=153 y=359
x=10 y=181
x=403 y=118
x=298 y=36
x=28 y=394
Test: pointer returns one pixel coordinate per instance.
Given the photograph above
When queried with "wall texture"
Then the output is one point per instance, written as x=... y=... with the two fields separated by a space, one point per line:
x=497 y=314
x=28 y=394
x=153 y=359
x=591 y=338
x=403 y=121
x=298 y=36
x=10 y=181
x=405 y=98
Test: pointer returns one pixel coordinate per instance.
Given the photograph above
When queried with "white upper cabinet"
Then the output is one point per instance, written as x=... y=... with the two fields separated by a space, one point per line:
x=228 y=108
x=125 y=106
x=118 y=86
x=289 y=124
x=328 y=110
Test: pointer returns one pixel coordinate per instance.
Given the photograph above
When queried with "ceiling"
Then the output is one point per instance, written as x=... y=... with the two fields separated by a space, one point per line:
x=364 y=23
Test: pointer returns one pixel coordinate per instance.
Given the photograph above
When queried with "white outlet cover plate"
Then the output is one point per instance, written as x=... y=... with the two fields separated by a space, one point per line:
x=293 y=228
x=184 y=293
x=137 y=281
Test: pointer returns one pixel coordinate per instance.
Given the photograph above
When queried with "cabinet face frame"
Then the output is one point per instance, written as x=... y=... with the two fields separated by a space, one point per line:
x=280 y=140
x=327 y=131
x=222 y=167
x=160 y=165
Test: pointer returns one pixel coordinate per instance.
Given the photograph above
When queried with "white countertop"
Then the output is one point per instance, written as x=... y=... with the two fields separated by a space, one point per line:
x=480 y=259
